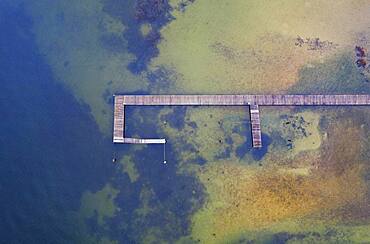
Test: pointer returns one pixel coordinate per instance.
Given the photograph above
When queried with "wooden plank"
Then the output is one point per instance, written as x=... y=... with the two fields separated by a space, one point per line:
x=119 y=118
x=255 y=126
x=139 y=141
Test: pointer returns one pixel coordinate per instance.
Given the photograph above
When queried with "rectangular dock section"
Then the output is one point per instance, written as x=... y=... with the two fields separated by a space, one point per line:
x=254 y=101
x=119 y=126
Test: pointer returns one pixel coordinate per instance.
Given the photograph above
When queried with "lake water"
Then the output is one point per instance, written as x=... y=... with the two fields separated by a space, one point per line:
x=60 y=64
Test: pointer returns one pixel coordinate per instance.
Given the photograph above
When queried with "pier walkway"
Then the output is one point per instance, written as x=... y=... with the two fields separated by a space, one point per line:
x=253 y=101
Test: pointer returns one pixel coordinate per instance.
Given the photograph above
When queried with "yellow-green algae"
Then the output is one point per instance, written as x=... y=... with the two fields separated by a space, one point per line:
x=209 y=136
x=308 y=139
x=100 y=203
x=313 y=140
x=249 y=46
x=70 y=36
x=214 y=125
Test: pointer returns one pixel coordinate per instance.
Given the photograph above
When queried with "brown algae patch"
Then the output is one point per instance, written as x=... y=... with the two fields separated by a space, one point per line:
x=343 y=148
x=242 y=199
x=249 y=46
x=252 y=199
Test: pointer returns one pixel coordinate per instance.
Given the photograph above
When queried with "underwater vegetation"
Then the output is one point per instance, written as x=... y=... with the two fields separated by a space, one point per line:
x=310 y=181
x=296 y=196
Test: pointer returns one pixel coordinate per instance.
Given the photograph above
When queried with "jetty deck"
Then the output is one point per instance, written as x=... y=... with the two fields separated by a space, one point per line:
x=253 y=101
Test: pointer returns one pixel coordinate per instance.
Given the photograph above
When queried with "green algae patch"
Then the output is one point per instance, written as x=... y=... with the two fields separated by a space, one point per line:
x=145 y=29
x=86 y=51
x=128 y=166
x=312 y=138
x=154 y=235
x=336 y=75
x=106 y=240
x=302 y=131
x=208 y=132
x=80 y=231
x=293 y=131
x=100 y=203
x=146 y=195
x=250 y=46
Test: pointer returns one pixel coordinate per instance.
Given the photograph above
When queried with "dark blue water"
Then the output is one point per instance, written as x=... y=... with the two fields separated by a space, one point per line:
x=257 y=153
x=51 y=152
x=133 y=13
x=50 y=147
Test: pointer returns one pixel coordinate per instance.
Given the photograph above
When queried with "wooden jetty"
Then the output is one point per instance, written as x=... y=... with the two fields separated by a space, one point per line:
x=256 y=125
x=253 y=101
